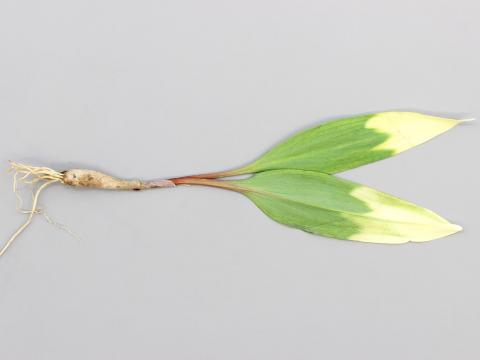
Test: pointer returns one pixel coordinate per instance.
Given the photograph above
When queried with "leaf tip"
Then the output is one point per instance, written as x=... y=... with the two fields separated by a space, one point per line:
x=455 y=228
x=441 y=232
x=408 y=129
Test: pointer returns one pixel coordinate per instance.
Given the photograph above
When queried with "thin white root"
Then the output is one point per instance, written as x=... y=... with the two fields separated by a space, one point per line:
x=58 y=225
x=29 y=219
x=33 y=174
x=30 y=175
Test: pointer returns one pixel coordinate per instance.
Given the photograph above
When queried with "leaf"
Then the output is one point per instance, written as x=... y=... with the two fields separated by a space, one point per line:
x=347 y=143
x=326 y=205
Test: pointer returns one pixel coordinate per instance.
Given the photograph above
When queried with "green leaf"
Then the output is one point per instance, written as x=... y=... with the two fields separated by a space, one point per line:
x=326 y=205
x=344 y=144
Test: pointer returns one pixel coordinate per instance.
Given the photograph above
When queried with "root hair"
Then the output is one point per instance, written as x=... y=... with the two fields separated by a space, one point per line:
x=31 y=175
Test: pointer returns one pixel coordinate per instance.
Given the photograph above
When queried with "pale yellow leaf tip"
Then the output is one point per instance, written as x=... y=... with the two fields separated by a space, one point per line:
x=407 y=129
x=402 y=233
x=439 y=233
x=457 y=228
x=415 y=233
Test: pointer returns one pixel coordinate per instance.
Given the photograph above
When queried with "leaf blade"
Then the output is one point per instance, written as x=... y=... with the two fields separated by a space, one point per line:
x=326 y=205
x=344 y=144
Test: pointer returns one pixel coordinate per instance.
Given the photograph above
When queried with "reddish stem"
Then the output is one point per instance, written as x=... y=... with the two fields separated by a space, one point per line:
x=219 y=174
x=196 y=180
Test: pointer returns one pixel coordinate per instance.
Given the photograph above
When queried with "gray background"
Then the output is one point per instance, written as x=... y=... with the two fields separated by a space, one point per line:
x=165 y=88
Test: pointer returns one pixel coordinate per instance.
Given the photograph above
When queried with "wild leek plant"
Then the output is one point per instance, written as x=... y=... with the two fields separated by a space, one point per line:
x=293 y=183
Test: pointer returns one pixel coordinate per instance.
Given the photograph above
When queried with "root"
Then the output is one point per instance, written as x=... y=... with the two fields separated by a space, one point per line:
x=34 y=174
x=30 y=175
x=44 y=177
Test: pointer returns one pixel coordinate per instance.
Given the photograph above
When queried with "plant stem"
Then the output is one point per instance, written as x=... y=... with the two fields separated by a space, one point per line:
x=196 y=180
x=220 y=174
